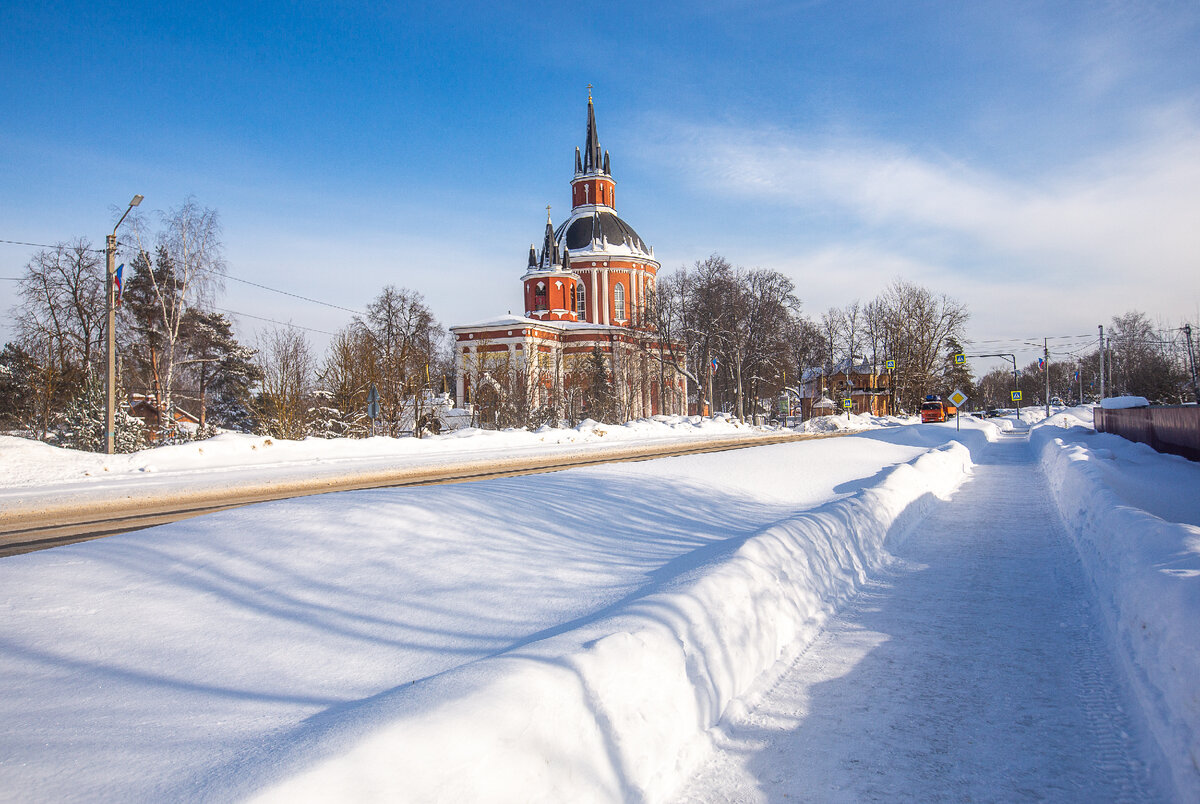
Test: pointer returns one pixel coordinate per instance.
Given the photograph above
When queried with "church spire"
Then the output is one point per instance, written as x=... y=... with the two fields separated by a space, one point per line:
x=549 y=246
x=592 y=155
x=593 y=184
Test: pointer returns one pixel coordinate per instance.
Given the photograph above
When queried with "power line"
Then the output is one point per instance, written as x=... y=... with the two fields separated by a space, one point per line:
x=273 y=321
x=223 y=275
x=293 y=295
x=43 y=245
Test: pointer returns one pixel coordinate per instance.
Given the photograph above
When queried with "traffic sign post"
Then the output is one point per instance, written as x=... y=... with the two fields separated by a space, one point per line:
x=847 y=404
x=373 y=406
x=1016 y=397
x=958 y=398
x=891 y=366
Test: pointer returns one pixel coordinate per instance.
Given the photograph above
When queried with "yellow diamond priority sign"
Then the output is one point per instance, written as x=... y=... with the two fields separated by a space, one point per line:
x=958 y=397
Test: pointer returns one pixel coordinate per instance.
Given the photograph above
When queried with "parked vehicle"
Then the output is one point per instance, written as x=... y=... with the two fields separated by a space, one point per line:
x=935 y=409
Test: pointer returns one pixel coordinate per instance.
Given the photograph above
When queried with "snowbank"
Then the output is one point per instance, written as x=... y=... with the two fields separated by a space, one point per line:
x=1145 y=572
x=852 y=423
x=30 y=463
x=1123 y=402
x=617 y=710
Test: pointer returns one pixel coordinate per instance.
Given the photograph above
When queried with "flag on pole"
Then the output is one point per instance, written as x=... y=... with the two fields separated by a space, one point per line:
x=712 y=369
x=1042 y=363
x=117 y=285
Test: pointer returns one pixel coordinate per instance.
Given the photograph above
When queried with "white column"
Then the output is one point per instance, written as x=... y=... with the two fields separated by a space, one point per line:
x=633 y=295
x=594 y=301
x=460 y=380
x=607 y=312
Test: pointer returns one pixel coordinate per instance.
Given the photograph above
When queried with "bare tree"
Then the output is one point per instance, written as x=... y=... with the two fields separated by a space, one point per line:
x=916 y=324
x=287 y=365
x=1144 y=361
x=60 y=322
x=186 y=272
x=408 y=347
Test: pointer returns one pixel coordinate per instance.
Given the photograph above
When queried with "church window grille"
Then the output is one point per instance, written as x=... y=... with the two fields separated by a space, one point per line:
x=619 y=301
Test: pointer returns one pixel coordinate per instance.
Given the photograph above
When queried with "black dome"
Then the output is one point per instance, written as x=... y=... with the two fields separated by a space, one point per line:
x=598 y=225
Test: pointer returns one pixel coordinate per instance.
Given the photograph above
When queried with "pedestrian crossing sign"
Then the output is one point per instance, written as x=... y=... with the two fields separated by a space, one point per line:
x=1016 y=396
x=891 y=365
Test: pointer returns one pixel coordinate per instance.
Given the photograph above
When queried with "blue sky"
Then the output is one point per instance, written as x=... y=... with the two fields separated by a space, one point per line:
x=1038 y=161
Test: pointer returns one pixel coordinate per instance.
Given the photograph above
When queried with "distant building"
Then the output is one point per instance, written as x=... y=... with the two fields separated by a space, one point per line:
x=588 y=287
x=868 y=389
x=148 y=409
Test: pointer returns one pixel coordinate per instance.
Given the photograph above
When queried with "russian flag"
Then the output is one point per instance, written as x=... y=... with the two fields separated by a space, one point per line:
x=713 y=367
x=1042 y=363
x=118 y=285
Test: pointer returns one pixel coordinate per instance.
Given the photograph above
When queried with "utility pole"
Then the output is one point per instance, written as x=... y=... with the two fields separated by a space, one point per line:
x=1046 y=372
x=1187 y=330
x=1101 y=355
x=110 y=285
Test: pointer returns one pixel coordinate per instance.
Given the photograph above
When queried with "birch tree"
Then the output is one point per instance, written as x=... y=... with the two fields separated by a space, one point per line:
x=186 y=272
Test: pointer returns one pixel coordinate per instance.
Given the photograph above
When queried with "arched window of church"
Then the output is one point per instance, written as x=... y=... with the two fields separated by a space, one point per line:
x=539 y=296
x=581 y=300
x=619 y=302
x=573 y=297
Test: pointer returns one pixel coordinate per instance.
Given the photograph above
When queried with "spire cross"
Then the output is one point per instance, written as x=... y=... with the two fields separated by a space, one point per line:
x=589 y=91
x=547 y=213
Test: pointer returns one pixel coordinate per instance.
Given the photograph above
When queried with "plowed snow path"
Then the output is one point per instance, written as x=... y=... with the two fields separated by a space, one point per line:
x=972 y=670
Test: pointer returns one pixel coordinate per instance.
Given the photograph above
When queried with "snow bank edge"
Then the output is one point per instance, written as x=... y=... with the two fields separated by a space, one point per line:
x=622 y=711
x=1148 y=589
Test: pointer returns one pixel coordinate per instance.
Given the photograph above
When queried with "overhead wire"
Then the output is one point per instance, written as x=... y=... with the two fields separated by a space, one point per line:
x=223 y=275
x=273 y=321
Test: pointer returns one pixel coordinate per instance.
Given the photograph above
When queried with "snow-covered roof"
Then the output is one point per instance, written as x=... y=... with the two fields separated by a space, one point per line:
x=522 y=321
x=1124 y=402
x=599 y=230
x=502 y=321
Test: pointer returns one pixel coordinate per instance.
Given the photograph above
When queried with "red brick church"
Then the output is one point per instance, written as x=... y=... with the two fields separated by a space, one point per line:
x=588 y=286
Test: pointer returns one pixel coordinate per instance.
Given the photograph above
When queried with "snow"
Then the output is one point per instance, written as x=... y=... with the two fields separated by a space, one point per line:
x=40 y=477
x=855 y=422
x=583 y=635
x=1122 y=402
x=1133 y=515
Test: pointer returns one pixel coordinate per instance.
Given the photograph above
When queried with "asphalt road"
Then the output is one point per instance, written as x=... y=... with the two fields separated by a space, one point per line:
x=70 y=521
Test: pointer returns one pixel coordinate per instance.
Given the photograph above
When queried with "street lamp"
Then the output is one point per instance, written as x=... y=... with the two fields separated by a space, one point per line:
x=110 y=401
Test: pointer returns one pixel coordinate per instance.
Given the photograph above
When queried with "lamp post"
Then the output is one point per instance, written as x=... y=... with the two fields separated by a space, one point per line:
x=110 y=398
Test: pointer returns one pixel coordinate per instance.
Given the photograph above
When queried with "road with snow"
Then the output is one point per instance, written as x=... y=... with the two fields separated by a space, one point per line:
x=905 y=613
x=972 y=669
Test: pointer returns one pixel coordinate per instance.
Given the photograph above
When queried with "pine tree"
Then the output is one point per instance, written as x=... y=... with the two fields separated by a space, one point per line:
x=599 y=401
x=956 y=376
x=222 y=369
x=18 y=378
x=327 y=420
x=82 y=425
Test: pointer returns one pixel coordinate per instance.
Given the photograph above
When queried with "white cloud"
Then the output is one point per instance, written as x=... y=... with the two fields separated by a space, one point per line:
x=1109 y=232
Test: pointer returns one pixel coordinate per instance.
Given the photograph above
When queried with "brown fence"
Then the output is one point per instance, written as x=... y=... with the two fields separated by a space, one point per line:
x=1174 y=428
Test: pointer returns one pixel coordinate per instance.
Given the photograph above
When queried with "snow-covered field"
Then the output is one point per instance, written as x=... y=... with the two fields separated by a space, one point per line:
x=41 y=478
x=571 y=636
